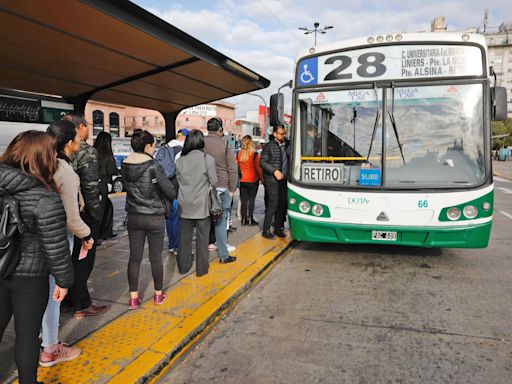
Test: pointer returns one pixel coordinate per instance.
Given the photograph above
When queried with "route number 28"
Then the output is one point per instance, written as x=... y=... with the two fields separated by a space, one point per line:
x=371 y=65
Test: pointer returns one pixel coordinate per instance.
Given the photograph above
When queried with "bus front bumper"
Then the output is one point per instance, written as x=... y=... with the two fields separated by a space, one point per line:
x=474 y=236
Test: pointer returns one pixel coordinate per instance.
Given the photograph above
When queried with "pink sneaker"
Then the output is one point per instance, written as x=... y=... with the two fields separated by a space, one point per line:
x=62 y=353
x=134 y=303
x=159 y=299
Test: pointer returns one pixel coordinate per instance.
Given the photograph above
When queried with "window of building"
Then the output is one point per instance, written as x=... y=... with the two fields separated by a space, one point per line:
x=113 y=120
x=144 y=121
x=97 y=122
x=156 y=121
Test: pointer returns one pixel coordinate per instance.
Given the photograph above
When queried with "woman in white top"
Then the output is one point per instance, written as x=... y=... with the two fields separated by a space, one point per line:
x=67 y=142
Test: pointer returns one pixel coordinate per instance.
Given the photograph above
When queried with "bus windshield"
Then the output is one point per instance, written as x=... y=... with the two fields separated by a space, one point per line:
x=434 y=137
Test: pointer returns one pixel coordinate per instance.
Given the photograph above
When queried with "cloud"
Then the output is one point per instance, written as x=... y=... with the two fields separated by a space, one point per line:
x=263 y=34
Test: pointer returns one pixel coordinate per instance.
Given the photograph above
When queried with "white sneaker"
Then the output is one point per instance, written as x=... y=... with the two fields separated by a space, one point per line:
x=231 y=248
x=212 y=247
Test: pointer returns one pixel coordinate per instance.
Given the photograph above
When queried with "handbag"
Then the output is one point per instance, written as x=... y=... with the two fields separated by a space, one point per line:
x=11 y=227
x=214 y=200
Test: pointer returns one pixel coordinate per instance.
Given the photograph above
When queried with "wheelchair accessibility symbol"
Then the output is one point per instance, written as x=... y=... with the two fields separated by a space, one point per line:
x=308 y=69
x=306 y=77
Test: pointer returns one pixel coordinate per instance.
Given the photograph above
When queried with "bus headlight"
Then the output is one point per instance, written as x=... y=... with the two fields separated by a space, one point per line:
x=292 y=200
x=453 y=213
x=486 y=206
x=317 y=210
x=470 y=211
x=304 y=206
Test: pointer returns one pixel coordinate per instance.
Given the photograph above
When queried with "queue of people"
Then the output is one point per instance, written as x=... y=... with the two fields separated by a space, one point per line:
x=58 y=184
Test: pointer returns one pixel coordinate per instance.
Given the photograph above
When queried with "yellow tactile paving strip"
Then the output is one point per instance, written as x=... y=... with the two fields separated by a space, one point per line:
x=138 y=344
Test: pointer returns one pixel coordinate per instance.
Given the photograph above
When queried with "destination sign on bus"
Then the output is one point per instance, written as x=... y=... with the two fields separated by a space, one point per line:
x=322 y=173
x=398 y=62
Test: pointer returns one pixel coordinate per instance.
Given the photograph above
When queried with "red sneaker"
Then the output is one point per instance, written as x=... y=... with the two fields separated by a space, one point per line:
x=159 y=299
x=134 y=303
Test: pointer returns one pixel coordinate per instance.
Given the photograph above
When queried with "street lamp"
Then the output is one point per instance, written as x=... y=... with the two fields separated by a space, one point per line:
x=266 y=114
x=316 y=30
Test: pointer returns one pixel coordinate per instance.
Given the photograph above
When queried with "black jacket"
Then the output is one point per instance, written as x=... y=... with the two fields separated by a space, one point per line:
x=44 y=243
x=85 y=164
x=271 y=160
x=149 y=190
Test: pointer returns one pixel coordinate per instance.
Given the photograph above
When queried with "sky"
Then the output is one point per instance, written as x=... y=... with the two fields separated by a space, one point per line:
x=263 y=34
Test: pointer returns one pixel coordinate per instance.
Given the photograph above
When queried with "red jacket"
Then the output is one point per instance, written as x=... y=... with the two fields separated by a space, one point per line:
x=250 y=169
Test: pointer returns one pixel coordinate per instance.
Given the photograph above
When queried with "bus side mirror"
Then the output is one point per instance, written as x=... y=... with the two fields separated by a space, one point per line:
x=499 y=103
x=277 y=109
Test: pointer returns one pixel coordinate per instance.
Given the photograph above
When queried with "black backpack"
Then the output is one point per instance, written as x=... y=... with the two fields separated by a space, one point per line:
x=11 y=227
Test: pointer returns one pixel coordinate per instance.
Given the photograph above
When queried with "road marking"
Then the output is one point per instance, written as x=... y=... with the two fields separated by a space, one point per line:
x=501 y=179
x=506 y=190
x=506 y=214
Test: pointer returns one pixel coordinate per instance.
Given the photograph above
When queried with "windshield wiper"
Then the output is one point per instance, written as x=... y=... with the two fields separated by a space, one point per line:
x=376 y=121
x=393 y=122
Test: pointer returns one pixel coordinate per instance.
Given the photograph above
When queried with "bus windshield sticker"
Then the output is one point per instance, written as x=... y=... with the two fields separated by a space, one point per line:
x=322 y=173
x=369 y=177
x=399 y=62
x=308 y=72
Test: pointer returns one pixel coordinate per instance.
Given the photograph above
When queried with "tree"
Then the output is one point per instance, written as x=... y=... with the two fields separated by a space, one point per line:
x=502 y=128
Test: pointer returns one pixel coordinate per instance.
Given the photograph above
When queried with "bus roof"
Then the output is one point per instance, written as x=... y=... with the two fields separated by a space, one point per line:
x=397 y=38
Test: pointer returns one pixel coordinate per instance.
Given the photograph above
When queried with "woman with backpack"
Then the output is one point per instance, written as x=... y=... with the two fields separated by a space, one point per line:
x=149 y=192
x=27 y=169
x=250 y=174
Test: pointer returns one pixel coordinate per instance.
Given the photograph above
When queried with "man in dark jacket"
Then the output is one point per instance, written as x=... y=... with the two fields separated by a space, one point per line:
x=274 y=162
x=85 y=164
x=227 y=180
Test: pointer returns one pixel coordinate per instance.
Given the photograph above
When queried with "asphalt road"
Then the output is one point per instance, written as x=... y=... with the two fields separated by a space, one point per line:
x=370 y=314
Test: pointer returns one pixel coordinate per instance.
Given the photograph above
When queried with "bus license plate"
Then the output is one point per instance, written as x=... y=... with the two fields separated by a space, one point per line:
x=384 y=235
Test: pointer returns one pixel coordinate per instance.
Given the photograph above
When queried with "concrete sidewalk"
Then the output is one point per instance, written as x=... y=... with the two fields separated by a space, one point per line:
x=128 y=346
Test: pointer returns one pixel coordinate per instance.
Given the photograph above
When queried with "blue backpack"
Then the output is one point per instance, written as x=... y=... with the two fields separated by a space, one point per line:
x=165 y=157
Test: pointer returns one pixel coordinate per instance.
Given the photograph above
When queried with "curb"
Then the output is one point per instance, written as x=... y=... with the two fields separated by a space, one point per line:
x=140 y=345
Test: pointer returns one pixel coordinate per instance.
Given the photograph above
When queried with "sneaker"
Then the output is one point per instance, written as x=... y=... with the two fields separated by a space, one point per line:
x=159 y=299
x=62 y=353
x=212 y=247
x=267 y=235
x=228 y=259
x=231 y=248
x=134 y=303
x=174 y=251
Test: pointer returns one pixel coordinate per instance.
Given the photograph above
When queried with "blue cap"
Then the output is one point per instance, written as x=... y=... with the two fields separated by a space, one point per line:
x=183 y=132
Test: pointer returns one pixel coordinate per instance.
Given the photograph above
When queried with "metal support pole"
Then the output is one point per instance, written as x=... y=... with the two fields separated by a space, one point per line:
x=266 y=114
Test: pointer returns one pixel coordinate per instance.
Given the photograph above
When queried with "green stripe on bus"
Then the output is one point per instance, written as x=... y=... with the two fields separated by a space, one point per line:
x=474 y=236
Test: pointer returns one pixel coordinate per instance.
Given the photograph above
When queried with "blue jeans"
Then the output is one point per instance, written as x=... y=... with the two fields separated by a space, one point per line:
x=51 y=317
x=172 y=224
x=221 y=230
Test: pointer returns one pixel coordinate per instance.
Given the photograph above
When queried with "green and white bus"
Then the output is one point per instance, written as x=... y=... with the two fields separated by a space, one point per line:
x=391 y=141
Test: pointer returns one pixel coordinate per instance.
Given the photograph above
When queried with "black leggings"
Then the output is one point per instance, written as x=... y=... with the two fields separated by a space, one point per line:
x=141 y=226
x=248 y=193
x=26 y=298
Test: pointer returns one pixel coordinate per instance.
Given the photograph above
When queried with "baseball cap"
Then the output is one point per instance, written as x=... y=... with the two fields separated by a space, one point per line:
x=183 y=132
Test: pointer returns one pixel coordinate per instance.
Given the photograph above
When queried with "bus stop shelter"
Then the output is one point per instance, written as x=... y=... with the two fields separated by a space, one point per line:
x=113 y=51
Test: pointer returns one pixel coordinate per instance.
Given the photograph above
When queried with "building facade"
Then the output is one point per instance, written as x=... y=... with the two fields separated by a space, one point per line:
x=197 y=117
x=120 y=121
x=500 y=58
